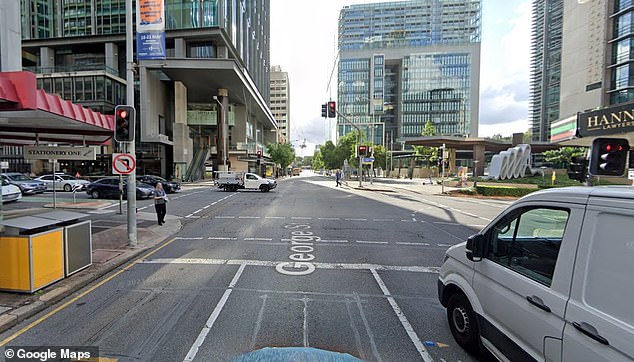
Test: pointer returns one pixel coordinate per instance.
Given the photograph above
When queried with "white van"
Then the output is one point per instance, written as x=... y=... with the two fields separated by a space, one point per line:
x=549 y=279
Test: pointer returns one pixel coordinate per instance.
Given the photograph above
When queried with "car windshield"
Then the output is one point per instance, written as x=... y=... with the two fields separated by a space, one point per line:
x=67 y=177
x=19 y=177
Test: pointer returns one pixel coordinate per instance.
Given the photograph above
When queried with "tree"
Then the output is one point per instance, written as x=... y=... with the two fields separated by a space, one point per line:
x=564 y=155
x=380 y=156
x=281 y=153
x=430 y=154
x=318 y=161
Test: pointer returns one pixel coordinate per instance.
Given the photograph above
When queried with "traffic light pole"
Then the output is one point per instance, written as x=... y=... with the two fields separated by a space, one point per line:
x=360 y=173
x=131 y=149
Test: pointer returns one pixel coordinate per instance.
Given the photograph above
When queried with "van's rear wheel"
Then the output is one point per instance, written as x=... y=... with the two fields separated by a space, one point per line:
x=463 y=323
x=264 y=188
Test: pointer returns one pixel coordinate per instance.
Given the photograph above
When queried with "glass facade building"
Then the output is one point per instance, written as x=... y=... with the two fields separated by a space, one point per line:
x=621 y=68
x=405 y=63
x=545 y=81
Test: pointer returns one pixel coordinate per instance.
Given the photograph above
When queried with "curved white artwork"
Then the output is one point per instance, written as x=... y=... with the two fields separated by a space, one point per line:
x=511 y=163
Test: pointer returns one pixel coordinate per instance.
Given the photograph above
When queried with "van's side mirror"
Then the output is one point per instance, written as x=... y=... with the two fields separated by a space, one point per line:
x=475 y=247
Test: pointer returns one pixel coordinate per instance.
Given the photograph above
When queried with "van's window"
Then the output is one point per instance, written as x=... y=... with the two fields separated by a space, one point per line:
x=528 y=242
x=611 y=265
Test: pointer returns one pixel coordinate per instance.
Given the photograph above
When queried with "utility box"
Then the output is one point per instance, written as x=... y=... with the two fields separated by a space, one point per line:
x=31 y=254
x=77 y=239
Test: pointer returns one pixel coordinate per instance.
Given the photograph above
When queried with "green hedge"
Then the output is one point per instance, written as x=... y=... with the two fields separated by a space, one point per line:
x=504 y=191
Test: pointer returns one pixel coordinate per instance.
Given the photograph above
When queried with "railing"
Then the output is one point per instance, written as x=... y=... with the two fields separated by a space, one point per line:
x=73 y=68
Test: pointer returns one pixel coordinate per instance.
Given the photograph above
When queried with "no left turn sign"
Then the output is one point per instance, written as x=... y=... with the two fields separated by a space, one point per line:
x=123 y=163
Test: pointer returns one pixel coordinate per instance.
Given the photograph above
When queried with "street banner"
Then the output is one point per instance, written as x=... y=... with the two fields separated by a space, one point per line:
x=150 y=27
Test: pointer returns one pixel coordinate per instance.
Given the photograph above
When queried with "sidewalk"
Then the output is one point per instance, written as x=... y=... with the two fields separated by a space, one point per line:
x=110 y=251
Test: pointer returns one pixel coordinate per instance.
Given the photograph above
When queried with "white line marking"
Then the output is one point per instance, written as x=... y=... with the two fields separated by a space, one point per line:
x=333 y=241
x=182 y=238
x=371 y=242
x=404 y=322
x=225 y=217
x=258 y=239
x=356 y=219
x=193 y=217
x=197 y=211
x=248 y=217
x=274 y=217
x=417 y=244
x=328 y=218
x=212 y=318
x=220 y=238
x=206 y=207
x=383 y=220
x=444 y=244
x=476 y=226
x=300 y=218
x=268 y=263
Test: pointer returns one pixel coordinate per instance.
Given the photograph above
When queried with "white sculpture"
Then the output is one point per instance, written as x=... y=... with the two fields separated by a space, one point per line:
x=511 y=163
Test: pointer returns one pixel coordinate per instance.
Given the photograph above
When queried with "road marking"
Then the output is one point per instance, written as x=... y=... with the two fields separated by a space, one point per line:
x=371 y=242
x=383 y=220
x=214 y=315
x=225 y=217
x=275 y=217
x=356 y=219
x=258 y=239
x=417 y=244
x=401 y=316
x=184 y=238
x=248 y=217
x=333 y=241
x=328 y=218
x=300 y=218
x=444 y=245
x=82 y=294
x=221 y=238
x=269 y=263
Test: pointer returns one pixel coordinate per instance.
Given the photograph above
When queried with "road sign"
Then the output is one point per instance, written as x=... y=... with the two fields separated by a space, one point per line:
x=368 y=159
x=123 y=163
x=59 y=153
x=630 y=174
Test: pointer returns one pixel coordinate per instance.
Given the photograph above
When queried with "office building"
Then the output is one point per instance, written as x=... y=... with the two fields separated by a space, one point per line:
x=582 y=61
x=404 y=63
x=281 y=103
x=215 y=72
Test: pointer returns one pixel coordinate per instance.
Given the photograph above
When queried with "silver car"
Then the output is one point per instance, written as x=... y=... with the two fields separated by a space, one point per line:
x=63 y=182
x=27 y=185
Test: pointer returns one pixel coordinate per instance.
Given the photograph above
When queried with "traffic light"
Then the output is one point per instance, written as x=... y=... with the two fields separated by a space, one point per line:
x=362 y=150
x=578 y=168
x=441 y=154
x=332 y=109
x=324 y=110
x=608 y=156
x=124 y=117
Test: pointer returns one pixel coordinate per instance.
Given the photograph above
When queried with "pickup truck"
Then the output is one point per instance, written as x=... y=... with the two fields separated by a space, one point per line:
x=234 y=181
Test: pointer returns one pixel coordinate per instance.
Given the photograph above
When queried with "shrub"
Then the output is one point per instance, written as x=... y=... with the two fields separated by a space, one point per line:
x=504 y=191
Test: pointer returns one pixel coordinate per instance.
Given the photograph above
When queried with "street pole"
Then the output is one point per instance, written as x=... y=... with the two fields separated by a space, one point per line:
x=442 y=165
x=132 y=235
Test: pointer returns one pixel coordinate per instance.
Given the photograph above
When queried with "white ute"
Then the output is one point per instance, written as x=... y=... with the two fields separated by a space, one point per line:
x=233 y=181
x=549 y=279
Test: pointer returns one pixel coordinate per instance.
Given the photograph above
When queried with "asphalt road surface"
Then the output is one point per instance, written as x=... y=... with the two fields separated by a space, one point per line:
x=307 y=264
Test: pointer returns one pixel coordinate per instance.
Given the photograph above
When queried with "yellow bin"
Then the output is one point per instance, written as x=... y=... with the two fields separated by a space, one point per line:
x=31 y=262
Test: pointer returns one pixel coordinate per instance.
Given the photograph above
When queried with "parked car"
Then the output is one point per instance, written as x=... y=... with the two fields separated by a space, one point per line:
x=27 y=185
x=62 y=182
x=549 y=279
x=169 y=186
x=108 y=187
x=10 y=192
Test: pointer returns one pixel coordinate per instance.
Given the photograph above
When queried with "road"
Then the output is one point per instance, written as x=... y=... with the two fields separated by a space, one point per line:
x=307 y=264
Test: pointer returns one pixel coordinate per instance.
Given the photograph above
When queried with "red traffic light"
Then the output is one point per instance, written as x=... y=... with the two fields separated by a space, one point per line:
x=332 y=109
x=122 y=113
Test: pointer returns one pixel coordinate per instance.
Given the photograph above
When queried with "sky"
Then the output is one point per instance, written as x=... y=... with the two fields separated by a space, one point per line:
x=304 y=44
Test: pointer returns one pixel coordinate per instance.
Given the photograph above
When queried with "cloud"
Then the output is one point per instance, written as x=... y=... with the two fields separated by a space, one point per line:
x=505 y=68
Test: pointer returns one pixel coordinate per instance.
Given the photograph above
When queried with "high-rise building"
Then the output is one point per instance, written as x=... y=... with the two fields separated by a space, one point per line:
x=582 y=61
x=545 y=81
x=217 y=62
x=280 y=103
x=404 y=63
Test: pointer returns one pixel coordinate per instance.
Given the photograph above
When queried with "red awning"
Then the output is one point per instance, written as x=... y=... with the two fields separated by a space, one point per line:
x=28 y=114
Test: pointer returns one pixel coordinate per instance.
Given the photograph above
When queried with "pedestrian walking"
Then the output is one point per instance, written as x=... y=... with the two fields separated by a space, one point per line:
x=338 y=177
x=160 y=201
